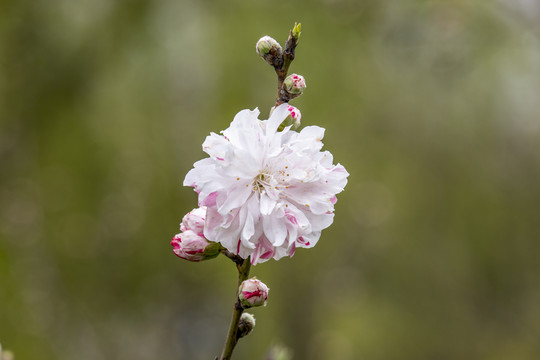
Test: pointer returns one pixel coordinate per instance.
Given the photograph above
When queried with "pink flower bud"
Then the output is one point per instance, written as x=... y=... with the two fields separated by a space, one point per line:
x=294 y=84
x=293 y=118
x=194 y=221
x=294 y=115
x=253 y=292
x=190 y=246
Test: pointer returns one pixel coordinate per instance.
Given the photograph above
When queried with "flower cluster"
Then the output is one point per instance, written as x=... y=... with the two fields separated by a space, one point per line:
x=267 y=192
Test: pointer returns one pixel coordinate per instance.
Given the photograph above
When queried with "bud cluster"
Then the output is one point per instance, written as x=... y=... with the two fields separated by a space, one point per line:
x=191 y=244
x=280 y=58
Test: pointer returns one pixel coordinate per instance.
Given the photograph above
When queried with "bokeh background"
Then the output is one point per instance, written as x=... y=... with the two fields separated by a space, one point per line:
x=432 y=106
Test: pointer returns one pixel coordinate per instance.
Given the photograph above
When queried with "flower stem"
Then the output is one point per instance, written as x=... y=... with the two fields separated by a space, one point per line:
x=231 y=340
x=281 y=71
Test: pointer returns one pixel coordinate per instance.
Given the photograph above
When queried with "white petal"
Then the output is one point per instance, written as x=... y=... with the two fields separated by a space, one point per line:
x=267 y=204
x=217 y=147
x=235 y=198
x=308 y=241
x=278 y=115
x=275 y=229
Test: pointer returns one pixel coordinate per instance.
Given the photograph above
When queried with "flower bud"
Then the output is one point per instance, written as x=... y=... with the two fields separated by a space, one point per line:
x=246 y=325
x=190 y=246
x=194 y=221
x=293 y=119
x=294 y=84
x=266 y=45
x=270 y=50
x=253 y=292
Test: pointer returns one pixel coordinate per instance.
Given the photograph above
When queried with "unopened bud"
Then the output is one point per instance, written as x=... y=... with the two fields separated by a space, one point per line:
x=296 y=31
x=294 y=84
x=253 y=292
x=194 y=221
x=292 y=119
x=267 y=44
x=246 y=325
x=193 y=247
x=270 y=50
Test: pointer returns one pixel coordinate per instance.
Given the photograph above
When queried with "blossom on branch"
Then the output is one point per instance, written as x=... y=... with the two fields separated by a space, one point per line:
x=253 y=292
x=267 y=192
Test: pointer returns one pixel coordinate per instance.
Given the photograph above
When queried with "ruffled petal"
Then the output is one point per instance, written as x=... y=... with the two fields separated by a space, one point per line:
x=276 y=118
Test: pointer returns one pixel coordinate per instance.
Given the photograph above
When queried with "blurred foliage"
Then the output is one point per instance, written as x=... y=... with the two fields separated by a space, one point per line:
x=432 y=106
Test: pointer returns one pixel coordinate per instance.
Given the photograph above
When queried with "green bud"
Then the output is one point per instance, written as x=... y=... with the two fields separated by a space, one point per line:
x=270 y=50
x=266 y=45
x=246 y=325
x=296 y=30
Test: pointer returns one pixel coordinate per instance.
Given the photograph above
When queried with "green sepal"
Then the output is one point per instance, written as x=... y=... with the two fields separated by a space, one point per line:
x=212 y=250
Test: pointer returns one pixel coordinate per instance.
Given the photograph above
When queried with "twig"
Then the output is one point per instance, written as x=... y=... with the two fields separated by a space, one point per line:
x=231 y=340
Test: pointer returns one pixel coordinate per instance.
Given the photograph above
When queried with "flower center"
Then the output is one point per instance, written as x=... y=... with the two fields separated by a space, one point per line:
x=261 y=181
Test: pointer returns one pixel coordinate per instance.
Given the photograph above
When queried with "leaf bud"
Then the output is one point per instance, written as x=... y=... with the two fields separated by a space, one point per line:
x=296 y=31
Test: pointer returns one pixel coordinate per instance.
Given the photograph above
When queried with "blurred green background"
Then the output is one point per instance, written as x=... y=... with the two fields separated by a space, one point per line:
x=432 y=106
